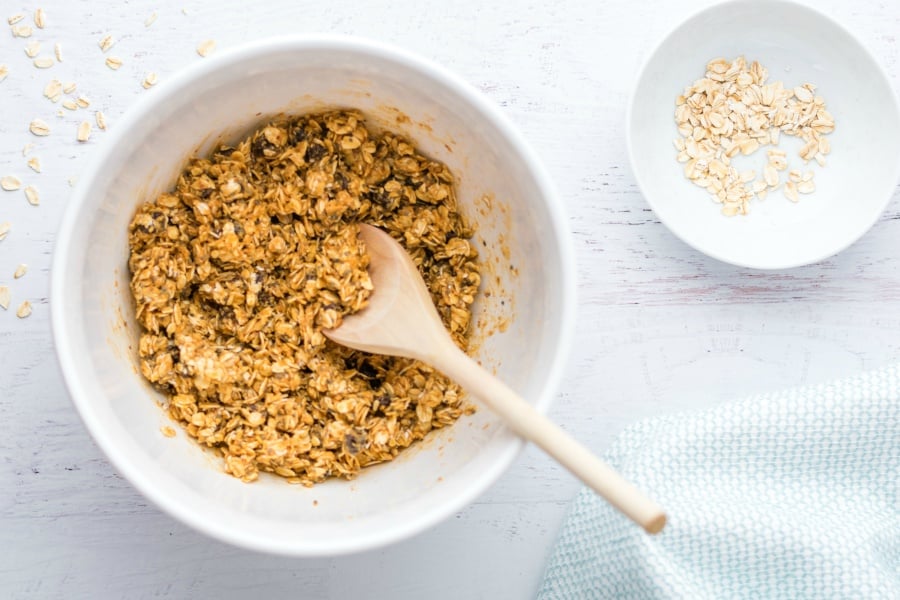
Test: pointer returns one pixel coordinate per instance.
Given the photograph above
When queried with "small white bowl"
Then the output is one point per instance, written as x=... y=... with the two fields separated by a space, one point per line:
x=222 y=98
x=797 y=44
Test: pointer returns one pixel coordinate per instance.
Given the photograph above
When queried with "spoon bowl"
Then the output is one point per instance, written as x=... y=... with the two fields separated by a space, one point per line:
x=400 y=318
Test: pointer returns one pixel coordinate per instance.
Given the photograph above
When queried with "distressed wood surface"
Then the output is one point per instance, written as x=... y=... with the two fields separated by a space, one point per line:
x=660 y=327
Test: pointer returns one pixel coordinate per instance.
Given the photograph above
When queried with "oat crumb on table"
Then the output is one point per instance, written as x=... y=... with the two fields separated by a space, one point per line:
x=24 y=310
x=236 y=272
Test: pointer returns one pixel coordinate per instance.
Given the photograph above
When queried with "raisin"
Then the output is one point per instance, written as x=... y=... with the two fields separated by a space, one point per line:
x=382 y=401
x=366 y=369
x=354 y=441
x=298 y=135
x=380 y=196
x=315 y=151
x=260 y=146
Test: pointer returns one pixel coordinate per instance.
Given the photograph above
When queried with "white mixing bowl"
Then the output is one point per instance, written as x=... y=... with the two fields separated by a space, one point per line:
x=221 y=99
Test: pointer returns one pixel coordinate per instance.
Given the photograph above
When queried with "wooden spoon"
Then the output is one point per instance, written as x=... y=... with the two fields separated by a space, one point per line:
x=401 y=320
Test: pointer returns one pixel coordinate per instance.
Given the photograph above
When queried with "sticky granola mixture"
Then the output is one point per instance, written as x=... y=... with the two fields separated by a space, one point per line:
x=236 y=272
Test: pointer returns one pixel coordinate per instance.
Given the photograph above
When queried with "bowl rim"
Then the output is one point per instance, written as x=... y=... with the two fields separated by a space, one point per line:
x=880 y=73
x=65 y=345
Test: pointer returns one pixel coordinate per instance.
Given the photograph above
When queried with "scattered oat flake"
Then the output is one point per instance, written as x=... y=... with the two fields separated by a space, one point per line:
x=53 y=90
x=4 y=71
x=206 y=47
x=5 y=297
x=70 y=87
x=101 y=120
x=60 y=113
x=40 y=18
x=44 y=62
x=31 y=194
x=4 y=229
x=167 y=431
x=790 y=191
x=39 y=127
x=184 y=11
x=83 y=102
x=106 y=42
x=15 y=18
x=35 y=164
x=32 y=48
x=22 y=31
x=150 y=20
x=149 y=80
x=72 y=180
x=27 y=148
x=114 y=62
x=70 y=104
x=10 y=183
x=57 y=51
x=806 y=187
x=24 y=310
x=20 y=271
x=84 y=131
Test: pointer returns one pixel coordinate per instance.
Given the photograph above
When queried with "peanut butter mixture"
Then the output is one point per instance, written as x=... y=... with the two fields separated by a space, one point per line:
x=237 y=270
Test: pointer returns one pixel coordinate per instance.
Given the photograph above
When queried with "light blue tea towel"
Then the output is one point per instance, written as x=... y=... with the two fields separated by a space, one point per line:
x=785 y=495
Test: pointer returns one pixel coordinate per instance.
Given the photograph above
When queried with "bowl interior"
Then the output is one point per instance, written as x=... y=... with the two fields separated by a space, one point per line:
x=96 y=333
x=797 y=45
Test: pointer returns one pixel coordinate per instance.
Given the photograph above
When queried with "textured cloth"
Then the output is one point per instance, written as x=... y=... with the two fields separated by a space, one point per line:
x=785 y=495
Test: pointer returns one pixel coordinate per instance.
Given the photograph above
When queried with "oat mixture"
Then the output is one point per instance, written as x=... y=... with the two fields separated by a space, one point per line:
x=734 y=110
x=236 y=272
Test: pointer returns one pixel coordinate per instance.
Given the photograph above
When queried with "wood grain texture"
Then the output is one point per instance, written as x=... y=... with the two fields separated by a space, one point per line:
x=660 y=327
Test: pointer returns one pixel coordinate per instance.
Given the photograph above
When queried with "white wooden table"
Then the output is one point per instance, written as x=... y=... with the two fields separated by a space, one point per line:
x=660 y=327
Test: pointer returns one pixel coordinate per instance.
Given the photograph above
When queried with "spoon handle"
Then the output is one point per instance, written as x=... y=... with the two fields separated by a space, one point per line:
x=528 y=423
